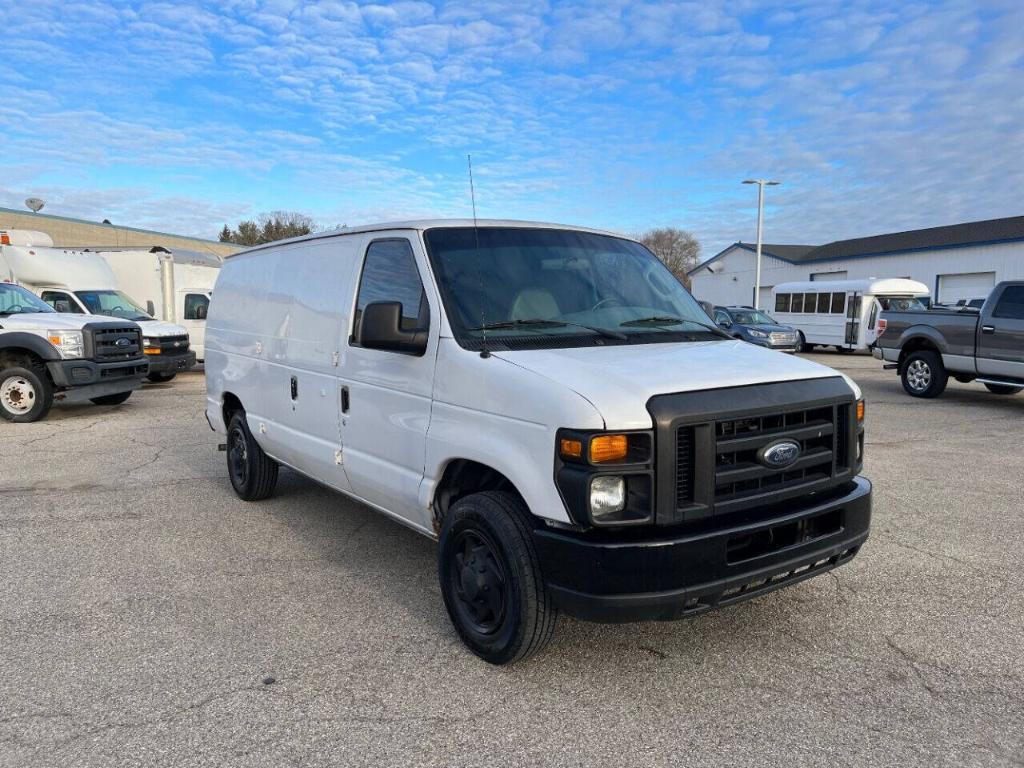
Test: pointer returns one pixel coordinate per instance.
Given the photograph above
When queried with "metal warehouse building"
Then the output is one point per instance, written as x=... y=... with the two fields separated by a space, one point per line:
x=961 y=261
x=79 y=232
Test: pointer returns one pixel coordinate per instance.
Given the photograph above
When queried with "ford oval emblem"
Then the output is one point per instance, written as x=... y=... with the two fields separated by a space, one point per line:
x=123 y=343
x=780 y=454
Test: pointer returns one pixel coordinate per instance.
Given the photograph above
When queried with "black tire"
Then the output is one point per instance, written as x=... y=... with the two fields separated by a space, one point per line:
x=486 y=546
x=26 y=393
x=804 y=346
x=253 y=474
x=843 y=350
x=160 y=378
x=117 y=399
x=1003 y=389
x=923 y=374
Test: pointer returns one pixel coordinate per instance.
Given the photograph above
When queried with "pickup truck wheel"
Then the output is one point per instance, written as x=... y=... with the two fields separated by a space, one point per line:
x=159 y=378
x=117 y=399
x=253 y=474
x=1003 y=389
x=924 y=375
x=491 y=579
x=26 y=394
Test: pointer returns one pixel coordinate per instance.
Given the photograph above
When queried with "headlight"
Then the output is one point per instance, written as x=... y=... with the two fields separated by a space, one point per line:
x=68 y=343
x=152 y=345
x=607 y=496
x=757 y=334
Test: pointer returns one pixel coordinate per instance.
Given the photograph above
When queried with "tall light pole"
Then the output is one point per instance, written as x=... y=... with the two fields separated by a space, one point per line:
x=761 y=184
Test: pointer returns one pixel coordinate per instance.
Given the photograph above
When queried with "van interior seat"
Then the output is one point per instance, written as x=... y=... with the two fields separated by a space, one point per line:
x=534 y=303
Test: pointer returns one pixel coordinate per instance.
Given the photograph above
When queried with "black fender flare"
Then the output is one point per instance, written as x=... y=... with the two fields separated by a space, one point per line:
x=37 y=345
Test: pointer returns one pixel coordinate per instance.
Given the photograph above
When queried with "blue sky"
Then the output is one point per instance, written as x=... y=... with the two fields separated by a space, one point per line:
x=624 y=115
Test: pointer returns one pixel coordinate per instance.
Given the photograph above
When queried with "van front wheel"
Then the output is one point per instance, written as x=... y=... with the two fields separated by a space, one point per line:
x=253 y=474
x=491 y=578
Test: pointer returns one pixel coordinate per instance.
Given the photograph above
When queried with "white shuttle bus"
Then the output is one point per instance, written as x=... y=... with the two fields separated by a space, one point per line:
x=843 y=313
x=547 y=402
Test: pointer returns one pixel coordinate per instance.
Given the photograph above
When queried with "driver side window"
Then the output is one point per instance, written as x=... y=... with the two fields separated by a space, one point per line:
x=67 y=304
x=390 y=274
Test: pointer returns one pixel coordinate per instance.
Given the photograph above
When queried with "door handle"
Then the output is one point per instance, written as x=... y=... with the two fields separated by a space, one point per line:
x=295 y=388
x=989 y=329
x=344 y=399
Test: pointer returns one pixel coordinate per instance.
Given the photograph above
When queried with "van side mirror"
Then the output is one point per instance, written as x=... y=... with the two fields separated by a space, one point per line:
x=150 y=308
x=380 y=327
x=201 y=312
x=62 y=305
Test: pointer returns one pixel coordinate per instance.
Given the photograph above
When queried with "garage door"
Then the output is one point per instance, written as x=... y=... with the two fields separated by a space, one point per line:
x=966 y=285
x=828 y=275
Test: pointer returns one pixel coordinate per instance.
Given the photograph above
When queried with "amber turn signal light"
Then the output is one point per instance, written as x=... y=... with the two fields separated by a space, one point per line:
x=571 y=449
x=860 y=410
x=606 y=448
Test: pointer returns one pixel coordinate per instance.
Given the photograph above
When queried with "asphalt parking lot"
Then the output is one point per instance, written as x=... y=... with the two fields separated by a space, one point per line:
x=143 y=606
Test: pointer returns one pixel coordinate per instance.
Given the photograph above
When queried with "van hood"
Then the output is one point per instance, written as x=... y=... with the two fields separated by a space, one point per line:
x=619 y=380
x=160 y=329
x=44 y=321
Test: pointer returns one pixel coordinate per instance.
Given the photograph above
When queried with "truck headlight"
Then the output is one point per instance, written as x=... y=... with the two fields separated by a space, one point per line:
x=758 y=334
x=607 y=495
x=151 y=345
x=68 y=343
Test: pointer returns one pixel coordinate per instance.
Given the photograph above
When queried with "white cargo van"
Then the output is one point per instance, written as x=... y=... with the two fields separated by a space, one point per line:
x=843 y=313
x=551 y=405
x=79 y=281
x=173 y=285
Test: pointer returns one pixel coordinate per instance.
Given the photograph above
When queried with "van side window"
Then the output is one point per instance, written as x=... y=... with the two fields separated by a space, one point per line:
x=838 y=303
x=1011 y=303
x=782 y=302
x=196 y=306
x=823 y=303
x=809 y=302
x=798 y=302
x=52 y=297
x=390 y=274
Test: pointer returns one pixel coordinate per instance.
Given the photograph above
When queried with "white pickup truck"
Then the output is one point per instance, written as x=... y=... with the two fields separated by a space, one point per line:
x=551 y=405
x=46 y=355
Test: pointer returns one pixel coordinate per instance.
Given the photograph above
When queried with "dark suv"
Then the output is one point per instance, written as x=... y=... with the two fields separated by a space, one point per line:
x=755 y=326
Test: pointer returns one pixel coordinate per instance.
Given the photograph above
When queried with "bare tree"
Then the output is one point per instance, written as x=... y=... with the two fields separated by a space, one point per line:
x=678 y=249
x=276 y=225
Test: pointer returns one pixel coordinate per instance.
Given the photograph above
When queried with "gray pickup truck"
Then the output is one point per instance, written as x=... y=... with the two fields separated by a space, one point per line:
x=986 y=345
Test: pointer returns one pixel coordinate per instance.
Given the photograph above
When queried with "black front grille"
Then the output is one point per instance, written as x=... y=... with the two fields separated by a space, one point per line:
x=112 y=343
x=739 y=473
x=173 y=345
x=709 y=446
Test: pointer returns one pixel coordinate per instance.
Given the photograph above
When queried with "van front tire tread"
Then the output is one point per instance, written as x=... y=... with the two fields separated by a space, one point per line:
x=530 y=614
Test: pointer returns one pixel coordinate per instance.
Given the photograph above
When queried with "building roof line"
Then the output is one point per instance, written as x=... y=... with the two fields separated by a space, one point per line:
x=115 y=226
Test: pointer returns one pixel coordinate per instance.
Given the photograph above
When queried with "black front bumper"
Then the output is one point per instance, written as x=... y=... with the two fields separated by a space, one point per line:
x=171 y=363
x=668 y=578
x=80 y=379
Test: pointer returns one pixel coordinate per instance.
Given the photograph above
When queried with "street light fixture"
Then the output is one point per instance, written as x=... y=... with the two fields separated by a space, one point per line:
x=761 y=184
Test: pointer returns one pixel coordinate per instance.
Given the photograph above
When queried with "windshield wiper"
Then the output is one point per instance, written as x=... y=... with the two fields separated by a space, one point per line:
x=535 y=323
x=660 y=321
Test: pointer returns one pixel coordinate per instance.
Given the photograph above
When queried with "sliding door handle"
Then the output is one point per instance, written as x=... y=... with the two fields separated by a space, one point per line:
x=344 y=399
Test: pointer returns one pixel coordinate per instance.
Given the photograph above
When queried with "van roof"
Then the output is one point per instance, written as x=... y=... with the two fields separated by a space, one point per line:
x=420 y=225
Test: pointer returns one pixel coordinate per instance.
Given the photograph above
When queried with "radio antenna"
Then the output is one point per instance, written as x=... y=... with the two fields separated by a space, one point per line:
x=484 y=351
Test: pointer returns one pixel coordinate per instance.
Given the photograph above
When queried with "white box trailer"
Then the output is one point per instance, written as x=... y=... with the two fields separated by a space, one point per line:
x=842 y=313
x=80 y=281
x=174 y=285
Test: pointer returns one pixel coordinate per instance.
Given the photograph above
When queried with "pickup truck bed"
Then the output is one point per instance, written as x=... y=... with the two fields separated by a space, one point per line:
x=987 y=346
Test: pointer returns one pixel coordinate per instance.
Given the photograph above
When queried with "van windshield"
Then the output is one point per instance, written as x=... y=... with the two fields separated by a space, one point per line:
x=15 y=300
x=535 y=288
x=112 y=303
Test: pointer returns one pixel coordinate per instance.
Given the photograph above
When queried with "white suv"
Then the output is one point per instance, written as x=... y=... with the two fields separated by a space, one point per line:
x=551 y=405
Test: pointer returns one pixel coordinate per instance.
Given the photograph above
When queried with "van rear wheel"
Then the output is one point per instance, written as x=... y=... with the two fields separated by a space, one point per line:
x=491 y=578
x=253 y=474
